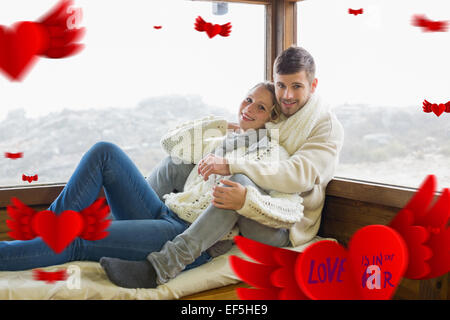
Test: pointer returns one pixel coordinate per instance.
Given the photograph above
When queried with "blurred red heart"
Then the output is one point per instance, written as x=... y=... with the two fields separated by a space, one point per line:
x=58 y=231
x=438 y=109
x=371 y=268
x=19 y=47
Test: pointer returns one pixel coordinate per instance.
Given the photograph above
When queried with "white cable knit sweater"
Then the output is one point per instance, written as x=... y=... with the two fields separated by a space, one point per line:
x=192 y=140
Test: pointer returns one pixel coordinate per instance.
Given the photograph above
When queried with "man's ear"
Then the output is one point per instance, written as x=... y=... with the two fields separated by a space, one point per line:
x=314 y=85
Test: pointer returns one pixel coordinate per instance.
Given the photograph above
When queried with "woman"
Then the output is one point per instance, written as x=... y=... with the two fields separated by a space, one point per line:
x=215 y=212
x=143 y=223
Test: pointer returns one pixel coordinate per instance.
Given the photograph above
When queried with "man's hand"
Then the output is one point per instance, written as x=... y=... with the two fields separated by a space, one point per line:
x=231 y=198
x=212 y=164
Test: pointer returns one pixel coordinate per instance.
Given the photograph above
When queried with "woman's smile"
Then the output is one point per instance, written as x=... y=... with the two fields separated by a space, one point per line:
x=246 y=117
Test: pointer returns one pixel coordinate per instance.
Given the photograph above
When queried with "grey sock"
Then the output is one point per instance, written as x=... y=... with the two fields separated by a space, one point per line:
x=220 y=248
x=130 y=274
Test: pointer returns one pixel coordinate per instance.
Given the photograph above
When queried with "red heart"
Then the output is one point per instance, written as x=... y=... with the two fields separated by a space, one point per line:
x=438 y=109
x=19 y=47
x=212 y=30
x=326 y=270
x=58 y=231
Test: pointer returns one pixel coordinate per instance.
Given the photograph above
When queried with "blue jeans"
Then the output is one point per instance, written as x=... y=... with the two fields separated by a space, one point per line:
x=142 y=222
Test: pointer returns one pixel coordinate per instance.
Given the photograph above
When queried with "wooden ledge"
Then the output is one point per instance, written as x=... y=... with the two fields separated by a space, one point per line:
x=365 y=191
x=372 y=192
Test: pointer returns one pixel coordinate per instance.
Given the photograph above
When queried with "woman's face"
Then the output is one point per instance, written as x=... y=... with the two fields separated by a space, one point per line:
x=256 y=108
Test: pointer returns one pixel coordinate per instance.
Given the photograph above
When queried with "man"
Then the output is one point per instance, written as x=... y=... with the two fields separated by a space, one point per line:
x=310 y=133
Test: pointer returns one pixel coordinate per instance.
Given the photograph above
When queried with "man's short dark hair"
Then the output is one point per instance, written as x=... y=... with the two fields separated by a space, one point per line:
x=293 y=60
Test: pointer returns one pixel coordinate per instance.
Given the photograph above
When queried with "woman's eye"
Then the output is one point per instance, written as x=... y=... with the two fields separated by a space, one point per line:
x=248 y=100
x=261 y=107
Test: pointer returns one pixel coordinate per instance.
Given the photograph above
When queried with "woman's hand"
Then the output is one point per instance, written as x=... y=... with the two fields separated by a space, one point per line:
x=212 y=164
x=231 y=198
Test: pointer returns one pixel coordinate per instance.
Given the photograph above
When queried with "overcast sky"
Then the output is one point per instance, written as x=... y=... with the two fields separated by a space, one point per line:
x=376 y=58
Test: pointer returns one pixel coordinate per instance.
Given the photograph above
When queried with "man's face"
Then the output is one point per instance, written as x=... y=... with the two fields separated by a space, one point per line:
x=293 y=91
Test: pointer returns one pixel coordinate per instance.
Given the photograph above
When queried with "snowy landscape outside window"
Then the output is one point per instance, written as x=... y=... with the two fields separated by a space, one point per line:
x=130 y=84
x=376 y=69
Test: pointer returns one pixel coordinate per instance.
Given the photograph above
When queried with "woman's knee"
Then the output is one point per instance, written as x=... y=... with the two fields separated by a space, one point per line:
x=102 y=149
x=170 y=163
x=246 y=181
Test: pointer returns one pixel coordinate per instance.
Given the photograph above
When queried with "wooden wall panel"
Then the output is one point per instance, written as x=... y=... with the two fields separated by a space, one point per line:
x=4 y=216
x=3 y=227
x=341 y=217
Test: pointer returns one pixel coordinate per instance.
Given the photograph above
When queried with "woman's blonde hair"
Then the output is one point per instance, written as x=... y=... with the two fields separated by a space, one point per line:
x=276 y=110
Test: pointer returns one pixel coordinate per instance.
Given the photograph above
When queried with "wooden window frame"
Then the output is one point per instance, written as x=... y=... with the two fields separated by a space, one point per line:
x=280 y=31
x=370 y=192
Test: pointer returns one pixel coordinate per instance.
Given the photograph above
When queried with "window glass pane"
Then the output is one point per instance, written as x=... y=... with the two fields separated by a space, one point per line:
x=129 y=85
x=377 y=68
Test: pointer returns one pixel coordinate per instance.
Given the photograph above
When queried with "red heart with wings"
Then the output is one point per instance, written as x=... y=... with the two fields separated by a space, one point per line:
x=50 y=37
x=50 y=277
x=212 y=30
x=372 y=267
x=438 y=109
x=414 y=244
x=58 y=231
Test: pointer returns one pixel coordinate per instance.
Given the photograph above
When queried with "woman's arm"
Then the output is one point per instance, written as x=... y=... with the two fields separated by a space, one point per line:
x=191 y=140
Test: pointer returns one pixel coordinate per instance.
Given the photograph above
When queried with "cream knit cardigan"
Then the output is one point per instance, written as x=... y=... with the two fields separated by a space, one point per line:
x=191 y=141
x=313 y=137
